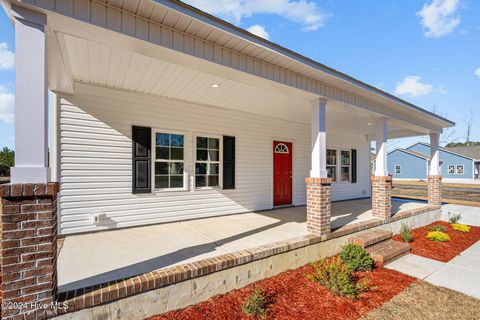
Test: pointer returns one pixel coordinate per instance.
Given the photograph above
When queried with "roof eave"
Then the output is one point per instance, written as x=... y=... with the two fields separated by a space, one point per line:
x=226 y=26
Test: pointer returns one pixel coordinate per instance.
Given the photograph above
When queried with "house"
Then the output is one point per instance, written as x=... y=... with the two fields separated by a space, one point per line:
x=456 y=164
x=157 y=112
x=472 y=152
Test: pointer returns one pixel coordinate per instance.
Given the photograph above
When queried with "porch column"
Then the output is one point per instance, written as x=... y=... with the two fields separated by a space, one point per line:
x=318 y=184
x=434 y=174
x=31 y=110
x=381 y=181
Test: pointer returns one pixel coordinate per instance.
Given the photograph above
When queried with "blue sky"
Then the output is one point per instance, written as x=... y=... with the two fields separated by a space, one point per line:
x=426 y=52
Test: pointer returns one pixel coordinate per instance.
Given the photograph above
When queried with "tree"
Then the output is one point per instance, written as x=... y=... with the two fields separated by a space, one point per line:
x=462 y=144
x=7 y=157
x=469 y=122
x=449 y=134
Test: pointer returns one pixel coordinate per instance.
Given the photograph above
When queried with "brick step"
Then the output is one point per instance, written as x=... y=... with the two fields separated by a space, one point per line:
x=368 y=238
x=388 y=250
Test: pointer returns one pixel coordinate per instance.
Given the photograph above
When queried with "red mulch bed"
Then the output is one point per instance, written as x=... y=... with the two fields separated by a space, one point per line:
x=442 y=251
x=291 y=295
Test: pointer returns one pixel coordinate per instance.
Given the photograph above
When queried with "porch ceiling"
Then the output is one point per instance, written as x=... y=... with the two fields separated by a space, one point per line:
x=97 y=63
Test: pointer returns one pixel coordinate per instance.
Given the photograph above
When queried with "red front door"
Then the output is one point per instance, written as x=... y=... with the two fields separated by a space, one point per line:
x=282 y=173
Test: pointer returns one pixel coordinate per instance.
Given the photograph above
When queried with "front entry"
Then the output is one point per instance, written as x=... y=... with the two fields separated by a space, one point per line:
x=282 y=173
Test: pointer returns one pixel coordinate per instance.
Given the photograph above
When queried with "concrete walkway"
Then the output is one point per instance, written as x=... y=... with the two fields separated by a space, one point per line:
x=461 y=273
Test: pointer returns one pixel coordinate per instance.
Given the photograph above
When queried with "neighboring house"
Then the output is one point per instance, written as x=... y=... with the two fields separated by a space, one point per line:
x=472 y=152
x=221 y=121
x=460 y=164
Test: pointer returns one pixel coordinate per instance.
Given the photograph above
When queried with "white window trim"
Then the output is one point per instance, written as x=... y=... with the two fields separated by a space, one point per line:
x=336 y=164
x=220 y=162
x=341 y=165
x=154 y=160
x=399 y=169
x=456 y=169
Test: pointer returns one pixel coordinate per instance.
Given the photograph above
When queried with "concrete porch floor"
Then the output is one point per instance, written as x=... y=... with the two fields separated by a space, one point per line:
x=111 y=255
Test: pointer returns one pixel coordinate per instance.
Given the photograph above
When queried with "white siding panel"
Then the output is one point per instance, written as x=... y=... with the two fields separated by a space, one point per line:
x=96 y=159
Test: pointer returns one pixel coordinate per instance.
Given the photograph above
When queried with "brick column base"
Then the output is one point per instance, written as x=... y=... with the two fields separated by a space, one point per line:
x=382 y=197
x=435 y=190
x=318 y=205
x=29 y=250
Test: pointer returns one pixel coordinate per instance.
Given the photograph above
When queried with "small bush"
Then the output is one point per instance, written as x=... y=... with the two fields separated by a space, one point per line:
x=338 y=278
x=255 y=304
x=406 y=233
x=438 y=236
x=356 y=258
x=460 y=227
x=438 y=227
x=454 y=218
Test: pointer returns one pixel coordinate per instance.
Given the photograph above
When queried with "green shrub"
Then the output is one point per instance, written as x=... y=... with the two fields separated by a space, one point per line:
x=338 y=278
x=356 y=258
x=255 y=304
x=438 y=236
x=406 y=233
x=454 y=218
x=438 y=227
x=460 y=227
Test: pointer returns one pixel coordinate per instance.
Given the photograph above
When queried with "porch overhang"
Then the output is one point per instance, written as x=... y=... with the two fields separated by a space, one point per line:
x=170 y=33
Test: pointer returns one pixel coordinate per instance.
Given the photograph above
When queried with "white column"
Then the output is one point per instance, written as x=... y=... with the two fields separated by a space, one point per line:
x=319 y=139
x=381 y=135
x=434 y=154
x=31 y=115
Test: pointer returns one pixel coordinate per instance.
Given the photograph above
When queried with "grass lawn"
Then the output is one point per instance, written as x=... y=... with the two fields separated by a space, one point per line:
x=423 y=301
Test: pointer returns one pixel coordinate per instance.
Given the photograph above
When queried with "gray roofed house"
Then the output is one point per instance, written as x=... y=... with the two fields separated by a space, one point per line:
x=460 y=164
x=471 y=151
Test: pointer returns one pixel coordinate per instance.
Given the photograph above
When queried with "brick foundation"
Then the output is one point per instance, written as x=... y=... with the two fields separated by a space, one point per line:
x=435 y=190
x=318 y=205
x=382 y=197
x=29 y=233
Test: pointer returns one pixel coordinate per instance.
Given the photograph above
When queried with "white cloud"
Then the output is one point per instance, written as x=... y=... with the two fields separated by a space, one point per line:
x=7 y=104
x=477 y=72
x=259 y=30
x=304 y=12
x=7 y=57
x=439 y=18
x=413 y=86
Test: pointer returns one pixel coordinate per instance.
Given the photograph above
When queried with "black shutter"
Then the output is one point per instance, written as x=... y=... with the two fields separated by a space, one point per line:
x=141 y=159
x=228 y=162
x=354 y=165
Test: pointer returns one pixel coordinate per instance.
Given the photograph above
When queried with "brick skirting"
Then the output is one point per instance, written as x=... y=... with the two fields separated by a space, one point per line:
x=434 y=190
x=319 y=205
x=114 y=290
x=29 y=232
x=382 y=197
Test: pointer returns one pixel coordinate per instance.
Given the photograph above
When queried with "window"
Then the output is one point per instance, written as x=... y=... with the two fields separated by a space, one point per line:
x=169 y=161
x=398 y=169
x=332 y=164
x=451 y=169
x=207 y=164
x=345 y=165
x=281 y=148
x=460 y=169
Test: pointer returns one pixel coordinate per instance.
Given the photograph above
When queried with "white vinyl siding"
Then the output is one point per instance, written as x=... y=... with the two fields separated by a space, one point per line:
x=96 y=164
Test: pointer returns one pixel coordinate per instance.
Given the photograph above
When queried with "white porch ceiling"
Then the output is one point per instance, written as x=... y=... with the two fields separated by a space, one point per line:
x=100 y=64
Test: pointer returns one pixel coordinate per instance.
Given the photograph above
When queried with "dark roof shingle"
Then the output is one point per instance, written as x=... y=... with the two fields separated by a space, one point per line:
x=470 y=152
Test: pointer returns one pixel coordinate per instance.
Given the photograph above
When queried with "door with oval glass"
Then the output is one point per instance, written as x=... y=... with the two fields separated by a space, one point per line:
x=282 y=173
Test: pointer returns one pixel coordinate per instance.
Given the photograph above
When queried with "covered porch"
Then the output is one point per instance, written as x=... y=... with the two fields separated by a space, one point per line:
x=119 y=254
x=119 y=114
